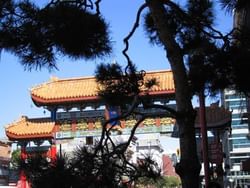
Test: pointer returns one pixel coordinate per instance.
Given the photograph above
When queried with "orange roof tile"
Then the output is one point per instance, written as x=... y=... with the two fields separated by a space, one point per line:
x=30 y=128
x=85 y=88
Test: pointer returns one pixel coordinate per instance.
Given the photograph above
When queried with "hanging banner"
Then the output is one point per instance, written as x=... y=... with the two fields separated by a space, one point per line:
x=112 y=112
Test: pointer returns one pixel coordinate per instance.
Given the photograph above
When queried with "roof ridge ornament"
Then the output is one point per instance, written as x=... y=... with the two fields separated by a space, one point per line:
x=24 y=118
x=53 y=78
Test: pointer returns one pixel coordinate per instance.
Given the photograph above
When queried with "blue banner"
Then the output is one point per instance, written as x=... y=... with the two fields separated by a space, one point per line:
x=113 y=112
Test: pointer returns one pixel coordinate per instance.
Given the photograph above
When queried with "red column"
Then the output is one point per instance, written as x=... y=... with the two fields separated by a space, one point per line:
x=158 y=122
x=53 y=152
x=123 y=125
x=23 y=153
x=141 y=124
x=23 y=179
x=56 y=127
x=90 y=125
x=203 y=128
x=73 y=125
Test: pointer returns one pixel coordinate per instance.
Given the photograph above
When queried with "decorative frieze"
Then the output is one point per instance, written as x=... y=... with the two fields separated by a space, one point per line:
x=82 y=124
x=65 y=125
x=83 y=129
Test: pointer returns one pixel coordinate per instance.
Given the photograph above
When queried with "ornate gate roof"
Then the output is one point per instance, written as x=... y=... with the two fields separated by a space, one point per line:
x=25 y=128
x=74 y=90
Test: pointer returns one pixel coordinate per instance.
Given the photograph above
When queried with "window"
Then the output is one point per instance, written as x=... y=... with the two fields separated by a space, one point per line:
x=89 y=140
x=234 y=96
x=236 y=116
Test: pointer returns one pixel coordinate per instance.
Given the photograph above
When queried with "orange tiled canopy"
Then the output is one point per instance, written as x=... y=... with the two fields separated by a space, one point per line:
x=85 y=89
x=26 y=128
x=216 y=117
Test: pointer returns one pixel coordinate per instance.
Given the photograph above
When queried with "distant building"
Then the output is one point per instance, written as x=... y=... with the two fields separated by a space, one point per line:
x=148 y=145
x=5 y=156
x=168 y=165
x=238 y=142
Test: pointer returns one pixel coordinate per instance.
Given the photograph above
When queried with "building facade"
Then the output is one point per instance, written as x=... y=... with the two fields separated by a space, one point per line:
x=239 y=143
x=5 y=156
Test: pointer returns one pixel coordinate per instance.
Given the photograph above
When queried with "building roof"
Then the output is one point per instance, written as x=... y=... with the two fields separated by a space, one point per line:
x=82 y=89
x=216 y=117
x=25 y=128
x=45 y=128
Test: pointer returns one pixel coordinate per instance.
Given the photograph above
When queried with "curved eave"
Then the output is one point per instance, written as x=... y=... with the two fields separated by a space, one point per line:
x=221 y=124
x=46 y=102
x=15 y=137
x=163 y=93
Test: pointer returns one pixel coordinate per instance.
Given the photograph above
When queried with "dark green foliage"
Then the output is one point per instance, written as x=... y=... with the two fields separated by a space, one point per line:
x=148 y=168
x=201 y=11
x=238 y=58
x=118 y=87
x=5 y=7
x=76 y=32
x=198 y=49
x=167 y=181
x=229 y=5
x=172 y=181
x=41 y=173
x=174 y=21
x=213 y=61
x=182 y=22
x=95 y=169
x=237 y=54
x=201 y=61
x=38 y=35
x=88 y=167
x=15 y=158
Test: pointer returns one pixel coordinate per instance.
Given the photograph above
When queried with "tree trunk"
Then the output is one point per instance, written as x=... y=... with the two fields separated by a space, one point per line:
x=189 y=166
x=242 y=18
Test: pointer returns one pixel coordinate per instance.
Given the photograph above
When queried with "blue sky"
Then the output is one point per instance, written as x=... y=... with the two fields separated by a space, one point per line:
x=15 y=82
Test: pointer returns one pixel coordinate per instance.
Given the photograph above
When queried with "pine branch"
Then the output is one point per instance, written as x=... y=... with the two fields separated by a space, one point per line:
x=126 y=39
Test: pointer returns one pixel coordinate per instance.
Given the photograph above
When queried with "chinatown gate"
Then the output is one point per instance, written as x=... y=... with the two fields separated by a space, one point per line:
x=77 y=114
